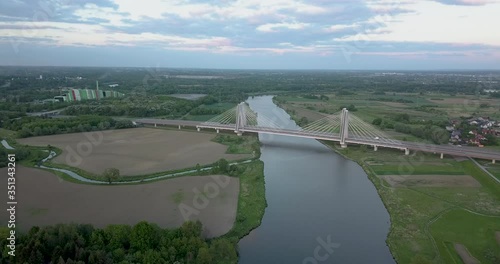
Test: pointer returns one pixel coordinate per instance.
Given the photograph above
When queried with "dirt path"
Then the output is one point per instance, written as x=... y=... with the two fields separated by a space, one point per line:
x=44 y=199
x=465 y=255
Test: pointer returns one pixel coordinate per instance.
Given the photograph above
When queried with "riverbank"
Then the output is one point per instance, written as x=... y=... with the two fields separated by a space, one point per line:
x=421 y=226
x=425 y=203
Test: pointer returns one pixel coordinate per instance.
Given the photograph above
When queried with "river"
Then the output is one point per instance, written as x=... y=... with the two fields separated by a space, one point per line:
x=322 y=208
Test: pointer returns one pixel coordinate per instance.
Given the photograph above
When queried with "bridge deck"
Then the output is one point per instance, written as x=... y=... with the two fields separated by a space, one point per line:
x=473 y=152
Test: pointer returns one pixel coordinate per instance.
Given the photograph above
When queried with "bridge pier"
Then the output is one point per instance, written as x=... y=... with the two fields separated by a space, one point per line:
x=343 y=145
x=217 y=130
x=407 y=151
x=179 y=126
x=442 y=156
x=155 y=124
x=375 y=147
x=239 y=133
x=198 y=129
x=493 y=161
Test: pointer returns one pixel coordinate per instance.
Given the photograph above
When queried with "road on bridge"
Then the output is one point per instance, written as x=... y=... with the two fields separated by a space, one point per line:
x=473 y=152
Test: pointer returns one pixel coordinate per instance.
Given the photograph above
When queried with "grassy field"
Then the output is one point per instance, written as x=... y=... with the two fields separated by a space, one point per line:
x=6 y=134
x=414 y=209
x=492 y=168
x=427 y=221
x=252 y=201
x=246 y=144
x=479 y=238
x=369 y=106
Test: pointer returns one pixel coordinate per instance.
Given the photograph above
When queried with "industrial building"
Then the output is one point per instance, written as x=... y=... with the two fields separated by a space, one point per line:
x=71 y=95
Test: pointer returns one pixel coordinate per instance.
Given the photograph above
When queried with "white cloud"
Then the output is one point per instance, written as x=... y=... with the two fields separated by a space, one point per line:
x=338 y=28
x=435 y=22
x=240 y=9
x=91 y=11
x=425 y=22
x=273 y=27
x=69 y=34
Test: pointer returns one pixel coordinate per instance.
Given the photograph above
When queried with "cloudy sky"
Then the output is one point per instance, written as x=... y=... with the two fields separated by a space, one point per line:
x=255 y=34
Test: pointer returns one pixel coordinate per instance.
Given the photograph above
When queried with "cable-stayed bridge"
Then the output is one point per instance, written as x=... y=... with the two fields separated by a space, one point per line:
x=342 y=127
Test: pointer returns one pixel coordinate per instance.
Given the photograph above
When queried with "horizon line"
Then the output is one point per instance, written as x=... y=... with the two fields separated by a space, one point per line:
x=254 y=69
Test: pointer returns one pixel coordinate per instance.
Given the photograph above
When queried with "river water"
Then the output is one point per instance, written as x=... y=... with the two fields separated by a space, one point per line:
x=322 y=208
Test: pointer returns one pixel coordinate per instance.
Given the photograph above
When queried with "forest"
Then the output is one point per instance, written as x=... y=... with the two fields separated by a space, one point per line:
x=141 y=243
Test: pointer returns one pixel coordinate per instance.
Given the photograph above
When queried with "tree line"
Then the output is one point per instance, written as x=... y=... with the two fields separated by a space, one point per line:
x=41 y=126
x=141 y=243
x=431 y=131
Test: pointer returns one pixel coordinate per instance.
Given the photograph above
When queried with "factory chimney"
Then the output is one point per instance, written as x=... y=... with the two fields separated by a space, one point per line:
x=97 y=90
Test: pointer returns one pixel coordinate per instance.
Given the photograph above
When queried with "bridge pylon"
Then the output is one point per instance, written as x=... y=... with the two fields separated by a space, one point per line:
x=240 y=119
x=344 y=127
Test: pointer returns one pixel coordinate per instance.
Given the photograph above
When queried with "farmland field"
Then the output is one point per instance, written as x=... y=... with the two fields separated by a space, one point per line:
x=136 y=151
x=48 y=200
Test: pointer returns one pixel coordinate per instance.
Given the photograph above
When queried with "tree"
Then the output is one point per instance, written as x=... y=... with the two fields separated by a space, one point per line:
x=61 y=261
x=405 y=118
x=491 y=140
x=144 y=236
x=377 y=121
x=223 y=251
x=204 y=256
x=37 y=131
x=152 y=256
x=303 y=121
x=223 y=165
x=191 y=229
x=111 y=174
x=25 y=132
x=117 y=236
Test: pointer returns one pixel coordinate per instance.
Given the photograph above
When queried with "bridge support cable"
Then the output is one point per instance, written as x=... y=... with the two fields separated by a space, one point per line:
x=266 y=122
x=362 y=130
x=226 y=118
x=251 y=118
x=326 y=125
x=254 y=120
